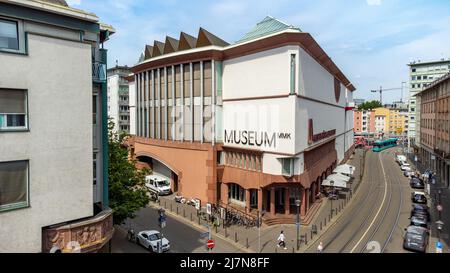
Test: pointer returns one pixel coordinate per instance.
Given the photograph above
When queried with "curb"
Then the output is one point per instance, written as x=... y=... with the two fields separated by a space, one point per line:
x=202 y=228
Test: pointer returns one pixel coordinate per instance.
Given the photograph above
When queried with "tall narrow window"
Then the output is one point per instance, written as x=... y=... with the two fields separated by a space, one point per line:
x=13 y=110
x=292 y=92
x=13 y=185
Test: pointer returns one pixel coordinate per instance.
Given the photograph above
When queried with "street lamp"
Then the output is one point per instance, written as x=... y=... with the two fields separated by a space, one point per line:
x=298 y=203
x=439 y=226
x=332 y=196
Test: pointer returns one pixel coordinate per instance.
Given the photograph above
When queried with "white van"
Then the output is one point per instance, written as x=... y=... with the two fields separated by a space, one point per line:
x=400 y=159
x=158 y=184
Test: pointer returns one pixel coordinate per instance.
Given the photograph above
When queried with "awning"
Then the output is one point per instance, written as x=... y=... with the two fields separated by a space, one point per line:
x=338 y=176
x=337 y=183
x=345 y=169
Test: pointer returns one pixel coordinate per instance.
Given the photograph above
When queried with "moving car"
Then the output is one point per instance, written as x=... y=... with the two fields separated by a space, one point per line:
x=158 y=184
x=150 y=240
x=416 y=183
x=418 y=197
x=419 y=209
x=419 y=220
x=416 y=239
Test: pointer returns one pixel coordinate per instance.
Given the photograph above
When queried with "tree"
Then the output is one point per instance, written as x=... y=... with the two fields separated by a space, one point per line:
x=370 y=105
x=127 y=192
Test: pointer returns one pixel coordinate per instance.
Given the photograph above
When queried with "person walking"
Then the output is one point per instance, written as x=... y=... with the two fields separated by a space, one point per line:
x=281 y=240
x=320 y=247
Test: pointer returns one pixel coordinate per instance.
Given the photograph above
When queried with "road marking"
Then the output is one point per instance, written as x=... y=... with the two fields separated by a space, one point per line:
x=379 y=210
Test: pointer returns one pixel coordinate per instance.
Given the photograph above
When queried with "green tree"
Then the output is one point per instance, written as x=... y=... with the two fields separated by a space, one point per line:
x=127 y=192
x=370 y=105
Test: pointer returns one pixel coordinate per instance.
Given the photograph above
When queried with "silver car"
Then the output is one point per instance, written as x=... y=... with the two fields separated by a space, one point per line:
x=150 y=240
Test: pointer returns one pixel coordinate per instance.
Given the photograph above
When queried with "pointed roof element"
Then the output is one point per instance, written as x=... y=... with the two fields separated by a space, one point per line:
x=267 y=26
x=186 y=41
x=141 y=57
x=171 y=45
x=158 y=49
x=148 y=52
x=206 y=38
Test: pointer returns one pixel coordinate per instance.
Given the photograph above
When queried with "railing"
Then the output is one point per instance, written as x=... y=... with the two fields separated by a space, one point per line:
x=98 y=72
x=88 y=235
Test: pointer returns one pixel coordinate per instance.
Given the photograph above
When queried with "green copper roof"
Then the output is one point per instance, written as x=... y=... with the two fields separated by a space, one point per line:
x=267 y=26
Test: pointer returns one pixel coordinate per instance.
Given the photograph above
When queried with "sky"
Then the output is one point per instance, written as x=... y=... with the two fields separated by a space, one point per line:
x=371 y=41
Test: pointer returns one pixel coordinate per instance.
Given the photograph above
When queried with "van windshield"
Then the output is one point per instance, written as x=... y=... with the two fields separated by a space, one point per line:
x=163 y=183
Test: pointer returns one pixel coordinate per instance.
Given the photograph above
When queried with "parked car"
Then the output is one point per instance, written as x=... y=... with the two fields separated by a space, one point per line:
x=419 y=220
x=408 y=173
x=150 y=240
x=420 y=209
x=400 y=159
x=405 y=167
x=416 y=183
x=158 y=184
x=416 y=239
x=418 y=197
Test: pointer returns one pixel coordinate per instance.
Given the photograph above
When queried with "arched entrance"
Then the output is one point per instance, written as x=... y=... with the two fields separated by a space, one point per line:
x=158 y=167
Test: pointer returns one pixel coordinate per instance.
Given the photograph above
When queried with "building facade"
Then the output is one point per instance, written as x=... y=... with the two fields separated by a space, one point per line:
x=421 y=74
x=52 y=115
x=254 y=125
x=364 y=122
x=435 y=127
x=118 y=98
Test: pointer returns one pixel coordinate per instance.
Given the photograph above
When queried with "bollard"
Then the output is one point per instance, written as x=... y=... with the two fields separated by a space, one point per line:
x=184 y=213
x=177 y=210
x=226 y=234
x=246 y=243
x=306 y=238
x=235 y=237
x=191 y=216
x=311 y=234
x=325 y=221
x=320 y=225
x=293 y=250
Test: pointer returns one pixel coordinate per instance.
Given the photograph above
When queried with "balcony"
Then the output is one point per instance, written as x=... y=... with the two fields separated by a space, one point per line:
x=88 y=235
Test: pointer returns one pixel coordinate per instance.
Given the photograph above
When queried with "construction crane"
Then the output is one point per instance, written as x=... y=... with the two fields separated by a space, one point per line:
x=381 y=90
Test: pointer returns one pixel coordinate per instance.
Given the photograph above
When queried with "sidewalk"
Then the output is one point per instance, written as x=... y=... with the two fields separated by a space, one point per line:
x=248 y=238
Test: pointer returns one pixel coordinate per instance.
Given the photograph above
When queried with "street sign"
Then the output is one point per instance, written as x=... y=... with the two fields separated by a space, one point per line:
x=438 y=247
x=223 y=213
x=210 y=244
x=197 y=204
x=439 y=207
x=208 y=208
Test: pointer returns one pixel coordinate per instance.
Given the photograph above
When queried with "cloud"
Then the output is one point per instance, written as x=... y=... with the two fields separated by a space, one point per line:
x=373 y=2
x=73 y=2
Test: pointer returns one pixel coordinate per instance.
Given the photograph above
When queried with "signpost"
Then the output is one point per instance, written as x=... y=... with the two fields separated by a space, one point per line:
x=208 y=208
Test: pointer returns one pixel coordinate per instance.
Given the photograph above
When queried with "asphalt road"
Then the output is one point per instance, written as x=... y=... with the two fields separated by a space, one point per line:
x=378 y=214
x=184 y=238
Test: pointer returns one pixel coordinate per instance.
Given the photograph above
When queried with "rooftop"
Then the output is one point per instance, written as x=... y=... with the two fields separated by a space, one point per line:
x=419 y=62
x=434 y=83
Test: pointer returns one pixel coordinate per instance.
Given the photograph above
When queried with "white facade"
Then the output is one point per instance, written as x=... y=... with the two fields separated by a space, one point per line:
x=118 y=98
x=60 y=135
x=257 y=106
x=132 y=106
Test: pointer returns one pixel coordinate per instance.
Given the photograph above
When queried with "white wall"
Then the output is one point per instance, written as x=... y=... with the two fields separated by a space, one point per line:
x=113 y=102
x=57 y=75
x=261 y=74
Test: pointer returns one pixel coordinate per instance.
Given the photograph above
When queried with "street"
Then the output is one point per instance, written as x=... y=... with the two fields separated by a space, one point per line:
x=375 y=220
x=183 y=237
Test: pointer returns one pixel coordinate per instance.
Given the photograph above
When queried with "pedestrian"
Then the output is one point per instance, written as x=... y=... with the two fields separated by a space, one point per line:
x=320 y=247
x=281 y=241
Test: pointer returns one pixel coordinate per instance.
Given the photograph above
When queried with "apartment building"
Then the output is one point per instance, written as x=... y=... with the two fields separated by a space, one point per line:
x=53 y=113
x=364 y=122
x=435 y=127
x=421 y=75
x=256 y=124
x=118 y=98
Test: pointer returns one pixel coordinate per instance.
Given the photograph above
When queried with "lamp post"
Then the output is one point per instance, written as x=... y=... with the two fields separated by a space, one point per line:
x=332 y=196
x=298 y=203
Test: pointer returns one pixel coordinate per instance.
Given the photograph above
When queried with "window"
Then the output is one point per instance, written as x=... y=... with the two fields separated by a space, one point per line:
x=9 y=35
x=13 y=110
x=287 y=166
x=13 y=185
x=413 y=70
x=236 y=193
x=419 y=77
x=292 y=74
x=413 y=78
x=95 y=169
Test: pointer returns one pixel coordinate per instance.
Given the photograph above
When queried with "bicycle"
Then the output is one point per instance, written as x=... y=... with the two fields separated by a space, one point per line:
x=131 y=236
